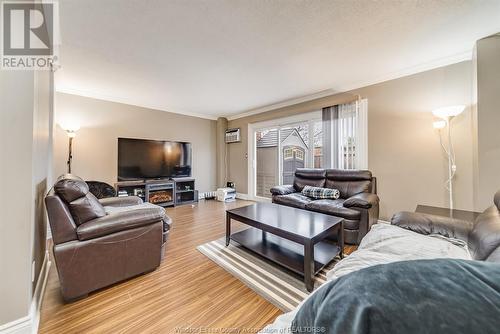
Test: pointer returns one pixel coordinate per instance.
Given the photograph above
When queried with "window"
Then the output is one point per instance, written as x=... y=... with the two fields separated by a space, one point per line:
x=345 y=140
x=318 y=145
x=288 y=153
x=299 y=154
x=347 y=128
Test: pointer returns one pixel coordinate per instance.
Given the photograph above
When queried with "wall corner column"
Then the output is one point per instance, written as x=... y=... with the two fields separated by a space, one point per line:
x=221 y=152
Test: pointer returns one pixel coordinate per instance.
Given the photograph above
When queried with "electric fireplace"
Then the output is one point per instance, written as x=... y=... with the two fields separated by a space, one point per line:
x=160 y=193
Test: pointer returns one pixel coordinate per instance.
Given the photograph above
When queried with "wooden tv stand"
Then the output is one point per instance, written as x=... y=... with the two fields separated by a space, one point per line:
x=164 y=192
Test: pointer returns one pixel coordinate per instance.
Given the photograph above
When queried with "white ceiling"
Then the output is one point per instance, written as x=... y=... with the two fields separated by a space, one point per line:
x=224 y=57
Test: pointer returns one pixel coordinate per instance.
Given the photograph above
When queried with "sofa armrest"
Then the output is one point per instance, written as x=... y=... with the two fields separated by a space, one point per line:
x=119 y=221
x=121 y=201
x=283 y=190
x=362 y=200
x=431 y=224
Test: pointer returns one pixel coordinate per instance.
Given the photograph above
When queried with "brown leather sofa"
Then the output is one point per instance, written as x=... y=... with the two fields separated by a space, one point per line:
x=93 y=249
x=482 y=235
x=358 y=203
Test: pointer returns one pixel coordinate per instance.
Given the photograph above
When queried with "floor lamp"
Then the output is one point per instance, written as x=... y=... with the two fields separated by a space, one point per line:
x=446 y=114
x=71 y=134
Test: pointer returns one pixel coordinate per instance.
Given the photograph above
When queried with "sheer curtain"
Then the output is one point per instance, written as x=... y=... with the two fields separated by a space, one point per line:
x=345 y=139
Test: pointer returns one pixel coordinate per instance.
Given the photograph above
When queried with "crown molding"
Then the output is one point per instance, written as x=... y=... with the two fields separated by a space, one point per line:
x=283 y=104
x=441 y=62
x=457 y=58
x=124 y=100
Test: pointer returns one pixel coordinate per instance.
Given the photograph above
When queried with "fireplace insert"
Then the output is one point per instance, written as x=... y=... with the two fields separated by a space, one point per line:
x=160 y=193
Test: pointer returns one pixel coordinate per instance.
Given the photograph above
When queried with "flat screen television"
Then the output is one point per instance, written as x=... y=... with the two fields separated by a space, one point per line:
x=152 y=159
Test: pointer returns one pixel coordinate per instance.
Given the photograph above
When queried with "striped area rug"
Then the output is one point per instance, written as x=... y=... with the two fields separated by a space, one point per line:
x=279 y=286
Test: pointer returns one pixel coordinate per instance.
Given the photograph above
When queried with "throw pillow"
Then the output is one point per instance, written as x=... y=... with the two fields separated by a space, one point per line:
x=320 y=193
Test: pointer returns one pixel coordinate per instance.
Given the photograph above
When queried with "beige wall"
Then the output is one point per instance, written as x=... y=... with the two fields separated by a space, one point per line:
x=404 y=151
x=25 y=120
x=95 y=148
x=487 y=62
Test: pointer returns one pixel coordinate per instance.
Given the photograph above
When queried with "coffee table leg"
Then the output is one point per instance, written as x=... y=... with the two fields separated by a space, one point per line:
x=340 y=239
x=228 y=229
x=309 y=265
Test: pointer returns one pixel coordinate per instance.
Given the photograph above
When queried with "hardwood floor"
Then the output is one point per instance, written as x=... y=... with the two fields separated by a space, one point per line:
x=187 y=291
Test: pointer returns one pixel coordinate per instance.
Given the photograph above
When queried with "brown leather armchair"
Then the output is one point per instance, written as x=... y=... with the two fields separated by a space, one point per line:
x=93 y=248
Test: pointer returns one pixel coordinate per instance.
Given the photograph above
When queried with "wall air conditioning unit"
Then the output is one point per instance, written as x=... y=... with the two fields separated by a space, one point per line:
x=233 y=135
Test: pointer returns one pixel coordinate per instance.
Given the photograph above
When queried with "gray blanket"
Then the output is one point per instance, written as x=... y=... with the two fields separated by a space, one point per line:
x=423 y=296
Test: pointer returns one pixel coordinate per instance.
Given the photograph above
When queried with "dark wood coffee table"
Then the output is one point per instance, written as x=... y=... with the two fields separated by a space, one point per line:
x=292 y=238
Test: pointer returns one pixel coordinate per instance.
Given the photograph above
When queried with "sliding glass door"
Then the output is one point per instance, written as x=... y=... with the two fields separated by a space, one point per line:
x=267 y=155
x=294 y=150
x=279 y=150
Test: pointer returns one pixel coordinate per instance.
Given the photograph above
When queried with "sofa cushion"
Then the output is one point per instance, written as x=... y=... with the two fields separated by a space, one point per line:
x=362 y=201
x=121 y=221
x=70 y=187
x=351 y=236
x=333 y=207
x=282 y=190
x=350 y=224
x=349 y=182
x=86 y=208
x=308 y=177
x=348 y=175
x=484 y=238
x=388 y=243
x=495 y=256
x=296 y=200
x=320 y=193
x=349 y=188
x=428 y=224
x=81 y=203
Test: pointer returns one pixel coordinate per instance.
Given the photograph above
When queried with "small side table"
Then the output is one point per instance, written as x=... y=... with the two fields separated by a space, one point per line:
x=445 y=212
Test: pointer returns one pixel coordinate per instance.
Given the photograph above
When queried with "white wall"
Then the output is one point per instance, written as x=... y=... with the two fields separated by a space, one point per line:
x=25 y=121
x=16 y=138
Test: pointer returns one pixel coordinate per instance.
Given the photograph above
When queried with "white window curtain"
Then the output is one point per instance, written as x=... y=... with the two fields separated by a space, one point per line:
x=345 y=140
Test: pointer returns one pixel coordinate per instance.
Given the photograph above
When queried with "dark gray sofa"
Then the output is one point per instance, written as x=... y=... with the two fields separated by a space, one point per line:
x=482 y=235
x=358 y=203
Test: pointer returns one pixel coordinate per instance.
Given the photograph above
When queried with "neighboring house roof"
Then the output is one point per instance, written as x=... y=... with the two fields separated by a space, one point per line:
x=270 y=139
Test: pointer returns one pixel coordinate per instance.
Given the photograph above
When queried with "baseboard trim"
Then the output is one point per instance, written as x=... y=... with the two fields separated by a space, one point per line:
x=242 y=196
x=18 y=326
x=29 y=324
x=40 y=291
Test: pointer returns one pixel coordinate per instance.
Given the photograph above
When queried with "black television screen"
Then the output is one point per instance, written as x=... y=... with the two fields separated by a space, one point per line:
x=152 y=159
